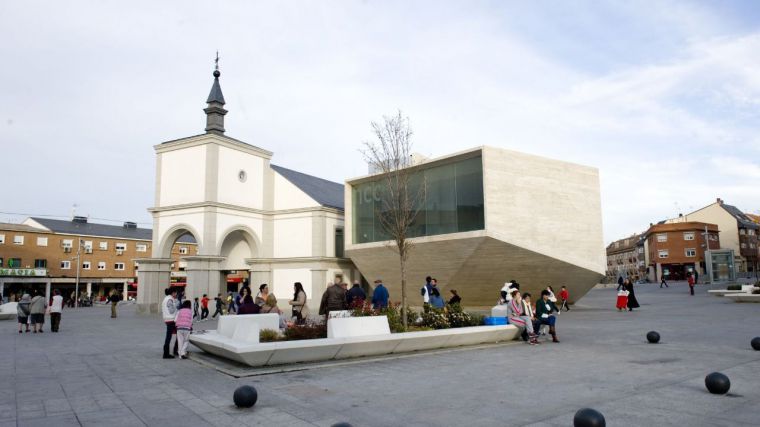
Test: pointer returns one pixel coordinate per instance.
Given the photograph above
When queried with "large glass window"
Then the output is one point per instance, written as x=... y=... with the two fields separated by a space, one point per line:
x=450 y=202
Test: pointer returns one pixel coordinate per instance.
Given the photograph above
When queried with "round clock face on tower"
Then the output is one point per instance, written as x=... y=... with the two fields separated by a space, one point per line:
x=242 y=176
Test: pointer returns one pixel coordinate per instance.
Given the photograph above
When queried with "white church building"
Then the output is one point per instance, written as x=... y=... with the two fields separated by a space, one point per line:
x=248 y=217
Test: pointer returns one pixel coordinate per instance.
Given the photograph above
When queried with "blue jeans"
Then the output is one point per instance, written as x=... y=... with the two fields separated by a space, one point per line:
x=551 y=320
x=170 y=330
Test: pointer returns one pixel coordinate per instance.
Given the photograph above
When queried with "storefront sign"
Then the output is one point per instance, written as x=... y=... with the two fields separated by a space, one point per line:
x=23 y=272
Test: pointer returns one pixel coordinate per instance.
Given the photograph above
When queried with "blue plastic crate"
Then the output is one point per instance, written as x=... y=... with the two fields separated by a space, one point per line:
x=493 y=321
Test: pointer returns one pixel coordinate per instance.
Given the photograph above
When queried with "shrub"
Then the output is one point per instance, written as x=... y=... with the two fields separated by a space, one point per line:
x=459 y=318
x=269 y=335
x=734 y=287
x=309 y=331
x=435 y=318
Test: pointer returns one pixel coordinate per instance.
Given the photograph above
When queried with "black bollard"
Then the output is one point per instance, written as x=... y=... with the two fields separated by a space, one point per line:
x=245 y=396
x=717 y=383
x=653 y=337
x=756 y=343
x=588 y=417
x=341 y=424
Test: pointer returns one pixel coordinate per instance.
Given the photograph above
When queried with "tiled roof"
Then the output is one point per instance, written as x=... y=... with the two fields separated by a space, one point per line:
x=741 y=218
x=326 y=193
x=6 y=226
x=101 y=230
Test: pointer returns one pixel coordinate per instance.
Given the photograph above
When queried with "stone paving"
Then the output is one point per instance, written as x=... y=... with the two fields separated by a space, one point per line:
x=102 y=371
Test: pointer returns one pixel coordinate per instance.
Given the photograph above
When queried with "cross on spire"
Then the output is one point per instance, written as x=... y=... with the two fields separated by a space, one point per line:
x=216 y=61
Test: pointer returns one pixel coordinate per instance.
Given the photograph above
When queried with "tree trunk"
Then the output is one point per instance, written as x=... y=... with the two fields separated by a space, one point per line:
x=403 y=292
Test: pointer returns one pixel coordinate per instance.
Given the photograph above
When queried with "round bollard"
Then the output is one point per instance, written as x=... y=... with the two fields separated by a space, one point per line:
x=756 y=343
x=717 y=383
x=588 y=417
x=341 y=424
x=653 y=337
x=245 y=396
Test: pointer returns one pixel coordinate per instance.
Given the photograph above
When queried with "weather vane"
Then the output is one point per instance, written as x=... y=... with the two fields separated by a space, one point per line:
x=216 y=61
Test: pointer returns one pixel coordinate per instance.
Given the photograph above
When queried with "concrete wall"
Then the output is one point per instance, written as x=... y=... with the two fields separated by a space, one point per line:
x=182 y=176
x=288 y=196
x=231 y=190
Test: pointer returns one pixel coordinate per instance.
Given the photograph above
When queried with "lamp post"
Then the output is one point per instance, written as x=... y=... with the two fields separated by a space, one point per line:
x=79 y=265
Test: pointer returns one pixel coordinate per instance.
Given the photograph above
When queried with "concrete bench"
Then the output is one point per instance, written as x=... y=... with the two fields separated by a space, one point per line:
x=229 y=323
x=346 y=327
x=287 y=352
x=8 y=311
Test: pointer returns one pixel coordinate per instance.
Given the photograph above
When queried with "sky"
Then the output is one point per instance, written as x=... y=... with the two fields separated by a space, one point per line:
x=662 y=97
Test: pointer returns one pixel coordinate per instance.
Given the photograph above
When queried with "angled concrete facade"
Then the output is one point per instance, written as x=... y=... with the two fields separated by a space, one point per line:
x=542 y=225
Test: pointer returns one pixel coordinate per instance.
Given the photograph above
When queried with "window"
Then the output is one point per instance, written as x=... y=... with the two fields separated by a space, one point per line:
x=662 y=237
x=65 y=265
x=183 y=250
x=339 y=243
x=86 y=265
x=18 y=240
x=744 y=245
x=641 y=249
x=14 y=262
x=141 y=247
x=67 y=243
x=118 y=266
x=103 y=246
x=742 y=231
x=42 y=241
x=691 y=252
x=2 y=239
x=40 y=263
x=617 y=245
x=750 y=232
x=121 y=246
x=101 y=265
x=662 y=253
x=688 y=235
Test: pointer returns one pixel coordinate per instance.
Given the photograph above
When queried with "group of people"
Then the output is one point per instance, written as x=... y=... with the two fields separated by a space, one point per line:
x=431 y=295
x=31 y=310
x=530 y=317
x=626 y=296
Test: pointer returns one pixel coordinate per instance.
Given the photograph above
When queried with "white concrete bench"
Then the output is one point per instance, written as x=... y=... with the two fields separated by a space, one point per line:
x=229 y=323
x=8 y=311
x=347 y=327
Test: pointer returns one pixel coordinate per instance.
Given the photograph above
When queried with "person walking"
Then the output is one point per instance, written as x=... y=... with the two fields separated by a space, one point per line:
x=169 y=313
x=23 y=311
x=300 y=311
x=230 y=303
x=663 y=282
x=426 y=291
x=204 y=308
x=56 y=307
x=333 y=299
x=620 y=283
x=195 y=309
x=114 y=299
x=37 y=309
x=690 y=281
x=219 y=303
x=183 y=321
x=632 y=301
x=380 y=295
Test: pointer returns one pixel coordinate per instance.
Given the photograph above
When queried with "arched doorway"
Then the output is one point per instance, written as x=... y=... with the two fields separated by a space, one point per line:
x=237 y=247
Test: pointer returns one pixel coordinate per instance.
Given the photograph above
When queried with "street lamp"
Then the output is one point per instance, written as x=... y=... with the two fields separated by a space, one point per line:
x=79 y=265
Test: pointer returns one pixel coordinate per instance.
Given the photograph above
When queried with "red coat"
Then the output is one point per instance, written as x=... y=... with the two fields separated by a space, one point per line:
x=563 y=294
x=690 y=280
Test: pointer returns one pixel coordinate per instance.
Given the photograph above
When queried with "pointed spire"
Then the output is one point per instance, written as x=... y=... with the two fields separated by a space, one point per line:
x=215 y=111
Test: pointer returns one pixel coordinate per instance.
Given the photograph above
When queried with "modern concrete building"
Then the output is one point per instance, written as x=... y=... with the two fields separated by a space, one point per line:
x=252 y=220
x=489 y=215
x=738 y=232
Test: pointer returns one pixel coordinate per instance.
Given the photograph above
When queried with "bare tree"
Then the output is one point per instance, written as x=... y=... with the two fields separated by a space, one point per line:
x=400 y=198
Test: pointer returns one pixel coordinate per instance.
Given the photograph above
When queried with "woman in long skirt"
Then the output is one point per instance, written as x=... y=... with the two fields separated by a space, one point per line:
x=632 y=302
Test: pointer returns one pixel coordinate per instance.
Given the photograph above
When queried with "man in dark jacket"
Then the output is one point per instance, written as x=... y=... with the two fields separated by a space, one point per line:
x=544 y=314
x=380 y=295
x=334 y=299
x=356 y=295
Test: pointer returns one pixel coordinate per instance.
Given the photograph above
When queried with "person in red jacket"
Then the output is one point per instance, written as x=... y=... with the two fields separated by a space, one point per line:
x=564 y=296
x=204 y=307
x=690 y=280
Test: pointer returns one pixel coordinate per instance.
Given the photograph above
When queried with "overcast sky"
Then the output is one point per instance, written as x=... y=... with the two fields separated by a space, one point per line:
x=662 y=97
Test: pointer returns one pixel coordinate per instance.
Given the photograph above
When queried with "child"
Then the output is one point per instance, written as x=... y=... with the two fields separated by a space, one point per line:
x=622 y=300
x=564 y=296
x=184 y=324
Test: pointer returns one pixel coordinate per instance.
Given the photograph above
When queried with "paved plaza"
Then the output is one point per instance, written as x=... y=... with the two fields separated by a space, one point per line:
x=102 y=371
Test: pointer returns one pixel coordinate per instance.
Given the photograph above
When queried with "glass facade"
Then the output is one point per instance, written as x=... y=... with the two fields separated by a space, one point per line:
x=451 y=201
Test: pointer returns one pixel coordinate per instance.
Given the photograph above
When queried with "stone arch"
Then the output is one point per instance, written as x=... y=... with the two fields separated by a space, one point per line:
x=232 y=246
x=171 y=236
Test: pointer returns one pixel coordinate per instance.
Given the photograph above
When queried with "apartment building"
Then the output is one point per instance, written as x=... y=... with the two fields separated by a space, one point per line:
x=44 y=254
x=676 y=249
x=738 y=232
x=626 y=258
